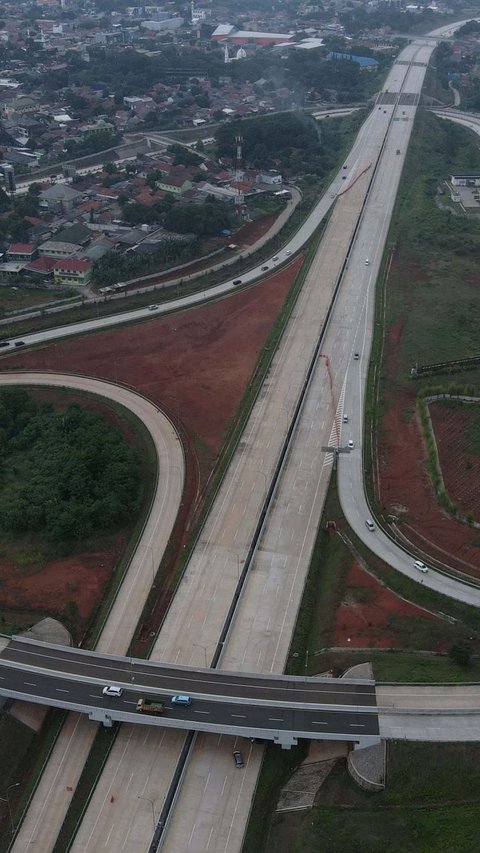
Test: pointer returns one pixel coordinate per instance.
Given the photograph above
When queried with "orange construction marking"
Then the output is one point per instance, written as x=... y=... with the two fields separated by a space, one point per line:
x=354 y=181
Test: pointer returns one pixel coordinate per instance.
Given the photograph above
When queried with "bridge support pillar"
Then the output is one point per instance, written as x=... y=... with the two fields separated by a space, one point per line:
x=286 y=740
x=99 y=716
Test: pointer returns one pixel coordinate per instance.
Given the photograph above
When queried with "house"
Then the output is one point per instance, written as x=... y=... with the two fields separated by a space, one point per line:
x=21 y=252
x=56 y=249
x=174 y=185
x=72 y=271
x=42 y=267
x=60 y=197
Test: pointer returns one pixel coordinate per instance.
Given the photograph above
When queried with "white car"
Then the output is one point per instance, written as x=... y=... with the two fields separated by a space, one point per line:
x=367 y=262
x=288 y=252
x=420 y=566
x=153 y=307
x=369 y=524
x=112 y=690
x=351 y=445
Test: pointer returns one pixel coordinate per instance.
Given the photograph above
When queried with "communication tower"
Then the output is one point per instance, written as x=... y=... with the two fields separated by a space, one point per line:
x=238 y=169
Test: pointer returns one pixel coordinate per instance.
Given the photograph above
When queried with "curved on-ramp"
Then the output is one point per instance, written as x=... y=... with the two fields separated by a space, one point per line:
x=62 y=772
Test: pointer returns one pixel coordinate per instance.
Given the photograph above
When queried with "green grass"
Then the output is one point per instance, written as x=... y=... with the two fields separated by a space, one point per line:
x=429 y=805
x=23 y=754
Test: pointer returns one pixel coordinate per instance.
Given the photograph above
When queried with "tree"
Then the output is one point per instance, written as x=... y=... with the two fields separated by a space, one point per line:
x=461 y=653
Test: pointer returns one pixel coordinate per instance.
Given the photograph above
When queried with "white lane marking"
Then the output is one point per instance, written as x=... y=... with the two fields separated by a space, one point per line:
x=239 y=716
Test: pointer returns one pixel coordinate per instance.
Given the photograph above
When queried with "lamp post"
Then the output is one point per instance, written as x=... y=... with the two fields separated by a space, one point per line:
x=7 y=801
x=152 y=803
x=199 y=645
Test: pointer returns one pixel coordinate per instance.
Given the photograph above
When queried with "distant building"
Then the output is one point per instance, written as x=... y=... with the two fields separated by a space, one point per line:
x=229 y=33
x=59 y=197
x=362 y=61
x=9 y=175
x=465 y=180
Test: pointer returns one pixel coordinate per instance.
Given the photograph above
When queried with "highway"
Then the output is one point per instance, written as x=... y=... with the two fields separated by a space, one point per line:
x=279 y=708
x=260 y=636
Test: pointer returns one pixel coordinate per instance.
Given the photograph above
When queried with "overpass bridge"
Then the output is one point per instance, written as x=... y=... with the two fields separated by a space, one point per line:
x=280 y=708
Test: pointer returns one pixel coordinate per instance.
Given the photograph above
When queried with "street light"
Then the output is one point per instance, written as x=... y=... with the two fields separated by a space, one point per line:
x=7 y=801
x=152 y=803
x=199 y=645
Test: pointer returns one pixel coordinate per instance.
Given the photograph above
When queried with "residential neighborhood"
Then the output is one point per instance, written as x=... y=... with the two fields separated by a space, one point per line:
x=88 y=87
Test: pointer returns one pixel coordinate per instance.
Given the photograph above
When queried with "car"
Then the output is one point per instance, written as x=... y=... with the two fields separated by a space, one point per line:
x=275 y=258
x=4 y=343
x=345 y=419
x=345 y=166
x=367 y=262
x=369 y=524
x=356 y=356
x=153 y=307
x=112 y=690
x=264 y=269
x=288 y=252
x=237 y=280
x=181 y=699
x=420 y=566
x=238 y=758
x=19 y=343
x=344 y=178
x=351 y=445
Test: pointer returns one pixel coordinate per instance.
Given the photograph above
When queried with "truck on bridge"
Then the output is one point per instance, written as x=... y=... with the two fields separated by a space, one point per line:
x=150 y=706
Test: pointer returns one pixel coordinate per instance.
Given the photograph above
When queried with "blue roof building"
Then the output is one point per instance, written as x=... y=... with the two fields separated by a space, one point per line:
x=363 y=61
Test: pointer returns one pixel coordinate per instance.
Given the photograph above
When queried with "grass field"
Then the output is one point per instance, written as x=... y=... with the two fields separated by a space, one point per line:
x=429 y=805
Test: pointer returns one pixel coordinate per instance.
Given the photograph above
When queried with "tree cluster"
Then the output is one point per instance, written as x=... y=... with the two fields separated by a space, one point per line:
x=63 y=474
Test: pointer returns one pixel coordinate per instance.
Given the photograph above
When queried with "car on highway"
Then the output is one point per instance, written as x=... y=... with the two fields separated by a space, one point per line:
x=19 y=343
x=345 y=419
x=264 y=269
x=369 y=524
x=351 y=445
x=181 y=700
x=275 y=258
x=367 y=262
x=238 y=758
x=153 y=307
x=288 y=252
x=4 y=343
x=112 y=690
x=237 y=281
x=356 y=356
x=420 y=566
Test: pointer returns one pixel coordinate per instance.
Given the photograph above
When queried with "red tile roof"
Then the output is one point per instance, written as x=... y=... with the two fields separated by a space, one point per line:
x=72 y=265
x=21 y=248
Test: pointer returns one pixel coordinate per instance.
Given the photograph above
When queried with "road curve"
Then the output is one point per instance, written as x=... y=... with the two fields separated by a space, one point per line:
x=62 y=773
